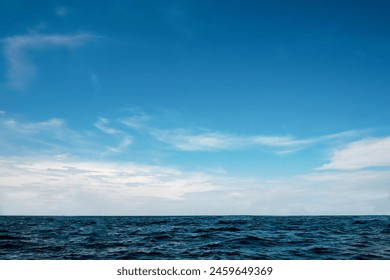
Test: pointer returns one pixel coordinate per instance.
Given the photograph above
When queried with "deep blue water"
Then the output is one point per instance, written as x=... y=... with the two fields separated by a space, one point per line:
x=197 y=237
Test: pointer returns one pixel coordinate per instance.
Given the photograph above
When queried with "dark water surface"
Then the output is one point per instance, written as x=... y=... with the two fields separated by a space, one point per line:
x=197 y=237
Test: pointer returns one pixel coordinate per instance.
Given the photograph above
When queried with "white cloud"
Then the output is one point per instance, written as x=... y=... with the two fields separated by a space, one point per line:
x=71 y=186
x=371 y=152
x=186 y=140
x=20 y=69
x=44 y=185
x=47 y=168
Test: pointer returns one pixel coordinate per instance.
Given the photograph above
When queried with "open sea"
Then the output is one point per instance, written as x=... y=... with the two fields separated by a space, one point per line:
x=195 y=237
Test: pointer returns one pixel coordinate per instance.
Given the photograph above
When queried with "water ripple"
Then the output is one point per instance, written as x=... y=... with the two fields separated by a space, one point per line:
x=211 y=237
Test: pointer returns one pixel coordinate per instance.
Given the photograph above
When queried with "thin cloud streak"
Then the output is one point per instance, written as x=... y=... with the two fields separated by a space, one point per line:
x=136 y=122
x=20 y=69
x=102 y=125
x=186 y=140
x=183 y=140
x=32 y=127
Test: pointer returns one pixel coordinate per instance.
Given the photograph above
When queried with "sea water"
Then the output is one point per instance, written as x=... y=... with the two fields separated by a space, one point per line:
x=195 y=237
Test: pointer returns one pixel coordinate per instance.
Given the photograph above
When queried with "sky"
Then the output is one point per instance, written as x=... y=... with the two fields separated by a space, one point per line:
x=195 y=107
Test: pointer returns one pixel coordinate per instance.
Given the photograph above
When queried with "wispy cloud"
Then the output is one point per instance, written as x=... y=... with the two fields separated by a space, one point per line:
x=32 y=127
x=54 y=130
x=205 y=140
x=187 y=140
x=192 y=140
x=136 y=122
x=102 y=124
x=371 y=152
x=27 y=131
x=126 y=139
x=20 y=136
x=184 y=140
x=20 y=69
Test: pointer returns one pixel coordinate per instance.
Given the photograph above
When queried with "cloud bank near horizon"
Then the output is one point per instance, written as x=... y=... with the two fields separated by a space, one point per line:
x=62 y=185
x=48 y=168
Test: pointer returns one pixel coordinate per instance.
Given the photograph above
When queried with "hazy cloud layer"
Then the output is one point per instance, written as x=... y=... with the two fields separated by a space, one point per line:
x=60 y=184
x=16 y=51
x=70 y=186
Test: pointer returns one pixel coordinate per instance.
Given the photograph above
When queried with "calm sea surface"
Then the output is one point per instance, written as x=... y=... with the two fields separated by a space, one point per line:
x=197 y=237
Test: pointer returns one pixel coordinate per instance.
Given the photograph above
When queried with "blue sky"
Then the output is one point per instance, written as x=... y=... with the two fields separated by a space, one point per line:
x=194 y=107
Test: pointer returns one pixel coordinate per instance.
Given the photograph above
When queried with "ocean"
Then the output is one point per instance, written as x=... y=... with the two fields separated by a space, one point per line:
x=195 y=237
